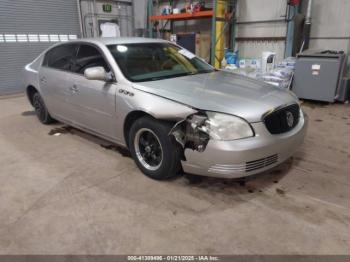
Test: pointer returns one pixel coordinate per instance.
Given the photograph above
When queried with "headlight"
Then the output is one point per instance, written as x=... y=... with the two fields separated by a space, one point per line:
x=227 y=127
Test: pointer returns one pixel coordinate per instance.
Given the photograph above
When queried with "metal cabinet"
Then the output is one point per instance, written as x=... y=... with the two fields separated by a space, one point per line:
x=318 y=75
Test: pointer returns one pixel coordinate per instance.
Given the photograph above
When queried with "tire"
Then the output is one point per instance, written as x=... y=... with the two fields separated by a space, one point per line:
x=41 y=110
x=155 y=152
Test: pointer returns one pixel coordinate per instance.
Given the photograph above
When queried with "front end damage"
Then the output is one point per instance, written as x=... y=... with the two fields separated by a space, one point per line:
x=192 y=132
x=204 y=153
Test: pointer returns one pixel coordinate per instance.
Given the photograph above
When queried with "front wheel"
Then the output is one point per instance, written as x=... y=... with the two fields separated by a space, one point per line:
x=155 y=152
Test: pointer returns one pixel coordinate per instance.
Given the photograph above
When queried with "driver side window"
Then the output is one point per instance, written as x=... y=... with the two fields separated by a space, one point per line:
x=89 y=56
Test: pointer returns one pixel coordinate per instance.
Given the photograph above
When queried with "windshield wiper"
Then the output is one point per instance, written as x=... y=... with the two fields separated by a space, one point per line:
x=164 y=77
x=155 y=78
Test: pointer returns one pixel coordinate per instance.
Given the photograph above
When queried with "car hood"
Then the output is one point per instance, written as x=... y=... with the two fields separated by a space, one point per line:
x=222 y=91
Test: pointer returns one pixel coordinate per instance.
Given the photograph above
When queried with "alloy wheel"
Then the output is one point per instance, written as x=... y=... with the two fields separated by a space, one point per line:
x=148 y=149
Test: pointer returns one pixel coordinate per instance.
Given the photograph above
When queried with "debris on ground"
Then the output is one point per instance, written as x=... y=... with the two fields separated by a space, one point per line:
x=241 y=182
x=28 y=113
x=193 y=179
x=280 y=191
x=60 y=130
x=109 y=147
x=250 y=190
x=123 y=151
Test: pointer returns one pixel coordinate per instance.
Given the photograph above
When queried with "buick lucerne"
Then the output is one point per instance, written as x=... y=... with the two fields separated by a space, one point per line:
x=171 y=109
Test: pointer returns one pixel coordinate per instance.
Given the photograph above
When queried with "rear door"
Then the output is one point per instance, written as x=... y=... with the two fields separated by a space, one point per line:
x=56 y=80
x=93 y=100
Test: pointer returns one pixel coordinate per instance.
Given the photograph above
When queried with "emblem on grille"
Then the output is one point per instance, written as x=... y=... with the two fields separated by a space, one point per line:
x=290 y=119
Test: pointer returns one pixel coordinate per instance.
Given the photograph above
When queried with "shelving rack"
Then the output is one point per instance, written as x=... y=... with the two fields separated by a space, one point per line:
x=184 y=16
x=227 y=23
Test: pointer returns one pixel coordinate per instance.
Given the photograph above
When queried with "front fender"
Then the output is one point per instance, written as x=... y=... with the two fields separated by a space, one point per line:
x=156 y=106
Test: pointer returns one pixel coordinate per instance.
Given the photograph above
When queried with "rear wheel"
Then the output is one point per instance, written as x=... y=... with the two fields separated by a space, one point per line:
x=41 y=110
x=154 y=151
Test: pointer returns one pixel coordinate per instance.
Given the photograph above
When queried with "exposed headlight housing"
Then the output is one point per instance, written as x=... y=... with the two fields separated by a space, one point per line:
x=227 y=127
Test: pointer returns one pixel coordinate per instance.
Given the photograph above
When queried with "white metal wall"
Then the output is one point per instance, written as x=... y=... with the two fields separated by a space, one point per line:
x=330 y=25
x=27 y=27
x=257 y=10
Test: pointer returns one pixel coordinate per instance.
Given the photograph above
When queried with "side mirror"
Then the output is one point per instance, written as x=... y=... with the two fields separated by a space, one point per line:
x=98 y=73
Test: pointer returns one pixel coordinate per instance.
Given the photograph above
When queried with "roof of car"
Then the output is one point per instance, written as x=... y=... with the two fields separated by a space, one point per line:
x=120 y=40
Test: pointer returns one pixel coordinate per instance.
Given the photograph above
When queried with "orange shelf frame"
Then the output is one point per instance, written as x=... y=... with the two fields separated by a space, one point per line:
x=183 y=16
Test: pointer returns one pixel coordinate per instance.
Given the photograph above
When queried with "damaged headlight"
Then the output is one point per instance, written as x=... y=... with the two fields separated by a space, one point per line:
x=227 y=127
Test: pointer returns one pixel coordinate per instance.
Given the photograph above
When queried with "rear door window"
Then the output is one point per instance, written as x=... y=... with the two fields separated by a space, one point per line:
x=61 y=57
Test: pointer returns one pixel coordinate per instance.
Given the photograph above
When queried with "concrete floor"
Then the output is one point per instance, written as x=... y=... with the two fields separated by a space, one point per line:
x=68 y=195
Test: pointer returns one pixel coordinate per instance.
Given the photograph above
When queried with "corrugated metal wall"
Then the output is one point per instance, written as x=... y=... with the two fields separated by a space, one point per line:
x=330 y=25
x=257 y=10
x=27 y=27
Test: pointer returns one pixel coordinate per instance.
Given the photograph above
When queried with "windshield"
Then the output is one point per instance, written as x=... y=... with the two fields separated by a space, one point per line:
x=154 y=61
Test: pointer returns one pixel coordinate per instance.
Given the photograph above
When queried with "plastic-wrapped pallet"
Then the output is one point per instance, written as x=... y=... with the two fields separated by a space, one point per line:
x=282 y=75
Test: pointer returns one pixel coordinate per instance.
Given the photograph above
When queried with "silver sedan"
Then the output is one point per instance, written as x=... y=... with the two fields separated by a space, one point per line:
x=172 y=110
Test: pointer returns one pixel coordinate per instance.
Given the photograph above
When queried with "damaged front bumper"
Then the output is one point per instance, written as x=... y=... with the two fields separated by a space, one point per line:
x=244 y=157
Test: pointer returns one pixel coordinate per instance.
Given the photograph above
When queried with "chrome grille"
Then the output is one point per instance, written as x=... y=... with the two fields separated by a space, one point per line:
x=261 y=163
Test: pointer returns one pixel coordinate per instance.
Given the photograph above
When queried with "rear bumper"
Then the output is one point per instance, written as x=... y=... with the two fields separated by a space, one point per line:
x=244 y=157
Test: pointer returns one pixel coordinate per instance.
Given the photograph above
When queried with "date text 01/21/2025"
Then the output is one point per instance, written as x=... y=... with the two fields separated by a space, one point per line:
x=173 y=258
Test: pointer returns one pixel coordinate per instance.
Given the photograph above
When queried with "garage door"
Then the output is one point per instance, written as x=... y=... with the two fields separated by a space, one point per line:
x=27 y=27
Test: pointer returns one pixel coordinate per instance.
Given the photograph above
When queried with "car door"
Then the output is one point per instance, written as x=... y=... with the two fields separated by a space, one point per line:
x=93 y=100
x=55 y=80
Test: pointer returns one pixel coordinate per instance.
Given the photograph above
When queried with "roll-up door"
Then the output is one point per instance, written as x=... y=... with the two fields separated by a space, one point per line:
x=28 y=27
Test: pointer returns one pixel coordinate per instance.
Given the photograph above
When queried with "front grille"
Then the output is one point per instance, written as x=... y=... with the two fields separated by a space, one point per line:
x=282 y=120
x=261 y=163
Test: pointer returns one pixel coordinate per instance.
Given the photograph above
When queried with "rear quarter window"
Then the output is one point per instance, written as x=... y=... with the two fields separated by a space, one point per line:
x=61 y=57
